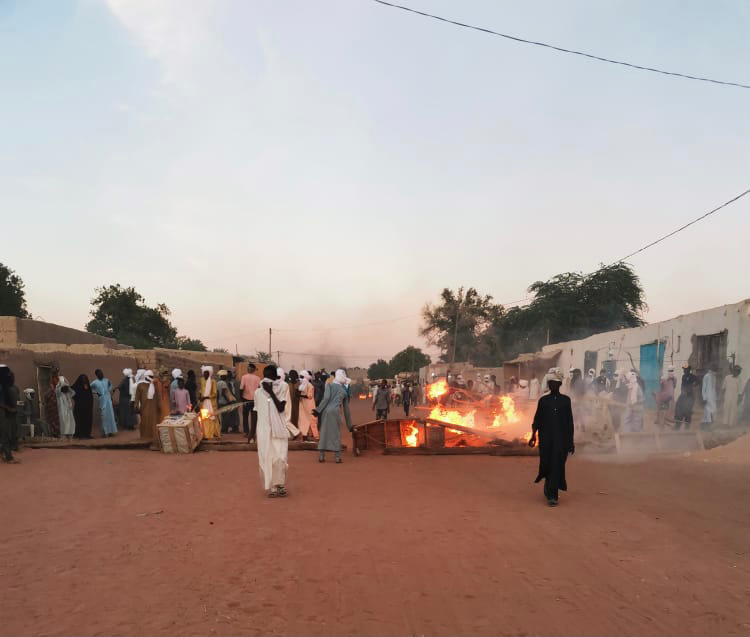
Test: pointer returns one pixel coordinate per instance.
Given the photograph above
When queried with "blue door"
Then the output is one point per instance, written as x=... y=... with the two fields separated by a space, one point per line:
x=652 y=359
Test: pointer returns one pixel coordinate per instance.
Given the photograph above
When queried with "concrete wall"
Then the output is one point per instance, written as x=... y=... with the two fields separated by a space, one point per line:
x=15 y=331
x=171 y=358
x=677 y=334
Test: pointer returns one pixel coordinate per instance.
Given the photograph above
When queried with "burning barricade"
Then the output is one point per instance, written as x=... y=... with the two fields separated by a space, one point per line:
x=455 y=421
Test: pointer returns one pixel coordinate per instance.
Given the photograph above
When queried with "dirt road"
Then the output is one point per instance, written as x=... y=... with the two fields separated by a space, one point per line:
x=377 y=545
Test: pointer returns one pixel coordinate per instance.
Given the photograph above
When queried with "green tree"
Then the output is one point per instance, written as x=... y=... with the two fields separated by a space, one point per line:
x=189 y=344
x=12 y=295
x=121 y=313
x=263 y=357
x=408 y=360
x=378 y=370
x=455 y=324
x=572 y=306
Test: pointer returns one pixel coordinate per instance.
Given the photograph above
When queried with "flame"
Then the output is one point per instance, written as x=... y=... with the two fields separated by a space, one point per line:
x=453 y=417
x=413 y=436
x=437 y=389
x=204 y=414
x=509 y=408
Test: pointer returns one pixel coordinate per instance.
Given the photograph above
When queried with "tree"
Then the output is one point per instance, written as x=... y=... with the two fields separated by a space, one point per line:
x=263 y=357
x=121 y=313
x=572 y=306
x=12 y=295
x=408 y=360
x=189 y=344
x=378 y=370
x=220 y=350
x=455 y=324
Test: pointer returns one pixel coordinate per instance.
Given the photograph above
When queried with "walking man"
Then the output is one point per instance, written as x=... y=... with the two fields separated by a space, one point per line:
x=553 y=422
x=382 y=401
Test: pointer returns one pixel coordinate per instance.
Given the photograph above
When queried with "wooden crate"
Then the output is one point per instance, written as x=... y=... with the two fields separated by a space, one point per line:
x=180 y=434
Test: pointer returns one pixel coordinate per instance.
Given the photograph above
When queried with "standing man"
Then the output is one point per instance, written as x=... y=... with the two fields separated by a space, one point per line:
x=126 y=390
x=248 y=384
x=273 y=436
x=103 y=390
x=176 y=374
x=8 y=413
x=683 y=409
x=708 y=392
x=406 y=395
x=382 y=401
x=553 y=422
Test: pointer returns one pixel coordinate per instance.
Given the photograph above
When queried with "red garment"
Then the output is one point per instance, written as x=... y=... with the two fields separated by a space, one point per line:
x=51 y=414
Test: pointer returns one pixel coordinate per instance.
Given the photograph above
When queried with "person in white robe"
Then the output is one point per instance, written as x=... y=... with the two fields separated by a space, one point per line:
x=272 y=435
x=731 y=390
x=65 y=395
x=709 y=397
x=281 y=388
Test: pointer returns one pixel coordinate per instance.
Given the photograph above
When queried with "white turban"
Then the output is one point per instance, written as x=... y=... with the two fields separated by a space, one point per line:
x=340 y=377
x=592 y=372
x=139 y=374
x=148 y=377
x=127 y=372
x=207 y=368
x=280 y=373
x=305 y=380
x=176 y=373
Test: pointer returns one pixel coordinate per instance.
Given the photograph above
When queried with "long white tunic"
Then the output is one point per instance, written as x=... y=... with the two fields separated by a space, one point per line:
x=272 y=451
x=65 y=407
x=709 y=395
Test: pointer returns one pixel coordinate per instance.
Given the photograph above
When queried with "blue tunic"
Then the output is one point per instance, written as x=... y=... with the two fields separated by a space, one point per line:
x=102 y=389
x=329 y=423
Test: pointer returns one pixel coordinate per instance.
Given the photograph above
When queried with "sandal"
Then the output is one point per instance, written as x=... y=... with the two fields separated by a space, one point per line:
x=273 y=493
x=282 y=492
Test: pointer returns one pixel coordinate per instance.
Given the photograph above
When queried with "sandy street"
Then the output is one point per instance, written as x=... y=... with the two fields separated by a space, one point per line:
x=378 y=545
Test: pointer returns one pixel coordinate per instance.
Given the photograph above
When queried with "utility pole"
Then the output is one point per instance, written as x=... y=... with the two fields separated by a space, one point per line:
x=278 y=357
x=269 y=342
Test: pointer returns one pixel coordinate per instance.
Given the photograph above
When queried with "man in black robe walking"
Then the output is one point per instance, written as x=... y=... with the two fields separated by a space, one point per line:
x=553 y=422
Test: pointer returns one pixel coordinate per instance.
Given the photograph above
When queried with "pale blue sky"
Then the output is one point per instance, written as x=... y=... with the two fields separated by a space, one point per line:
x=357 y=158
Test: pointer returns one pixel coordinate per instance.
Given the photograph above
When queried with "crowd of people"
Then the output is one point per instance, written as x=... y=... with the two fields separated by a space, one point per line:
x=618 y=398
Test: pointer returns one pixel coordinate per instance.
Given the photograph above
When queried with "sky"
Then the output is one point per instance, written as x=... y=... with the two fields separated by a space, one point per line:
x=324 y=168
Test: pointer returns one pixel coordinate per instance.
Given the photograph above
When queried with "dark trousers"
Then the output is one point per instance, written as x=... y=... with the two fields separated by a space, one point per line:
x=6 y=434
x=247 y=410
x=406 y=408
x=381 y=414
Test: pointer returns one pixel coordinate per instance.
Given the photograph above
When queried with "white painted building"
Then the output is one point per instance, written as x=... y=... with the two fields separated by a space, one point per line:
x=717 y=336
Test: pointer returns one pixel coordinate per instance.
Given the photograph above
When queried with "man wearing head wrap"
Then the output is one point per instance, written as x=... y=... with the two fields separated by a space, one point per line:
x=147 y=405
x=709 y=395
x=665 y=395
x=329 y=416
x=229 y=419
x=65 y=395
x=683 y=409
x=272 y=434
x=553 y=424
x=293 y=381
x=126 y=395
x=632 y=418
x=208 y=404
x=307 y=422
x=176 y=375
x=8 y=414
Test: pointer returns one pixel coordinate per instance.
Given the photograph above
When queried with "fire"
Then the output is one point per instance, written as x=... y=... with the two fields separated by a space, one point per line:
x=204 y=414
x=453 y=417
x=413 y=436
x=509 y=408
x=437 y=389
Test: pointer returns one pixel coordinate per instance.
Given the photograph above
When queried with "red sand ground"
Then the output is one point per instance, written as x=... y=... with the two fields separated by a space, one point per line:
x=379 y=545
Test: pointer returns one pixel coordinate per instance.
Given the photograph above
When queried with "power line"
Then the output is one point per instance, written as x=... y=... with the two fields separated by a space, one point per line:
x=561 y=49
x=687 y=225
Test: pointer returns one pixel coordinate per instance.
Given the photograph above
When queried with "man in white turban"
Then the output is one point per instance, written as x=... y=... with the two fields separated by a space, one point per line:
x=176 y=375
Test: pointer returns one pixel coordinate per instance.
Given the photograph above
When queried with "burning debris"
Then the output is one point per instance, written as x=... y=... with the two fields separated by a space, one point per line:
x=456 y=421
